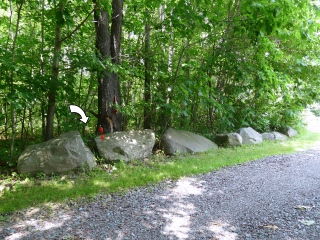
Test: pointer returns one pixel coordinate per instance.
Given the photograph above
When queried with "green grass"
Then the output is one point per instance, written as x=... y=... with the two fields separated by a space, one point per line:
x=30 y=192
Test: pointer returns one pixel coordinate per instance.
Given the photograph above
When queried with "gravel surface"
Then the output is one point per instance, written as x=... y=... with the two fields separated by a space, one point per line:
x=273 y=198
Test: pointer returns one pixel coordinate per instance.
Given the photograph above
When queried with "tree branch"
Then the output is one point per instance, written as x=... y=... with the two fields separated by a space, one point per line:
x=94 y=114
x=78 y=27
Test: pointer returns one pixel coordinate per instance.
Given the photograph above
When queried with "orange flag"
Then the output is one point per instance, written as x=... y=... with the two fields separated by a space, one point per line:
x=101 y=132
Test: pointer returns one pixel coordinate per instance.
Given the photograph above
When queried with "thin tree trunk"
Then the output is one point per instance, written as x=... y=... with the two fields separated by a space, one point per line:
x=22 y=121
x=13 y=110
x=6 y=104
x=210 y=106
x=43 y=120
x=10 y=24
x=30 y=121
x=6 y=120
x=168 y=116
x=58 y=124
x=42 y=64
x=23 y=129
x=147 y=80
x=90 y=94
x=80 y=86
x=13 y=113
x=55 y=75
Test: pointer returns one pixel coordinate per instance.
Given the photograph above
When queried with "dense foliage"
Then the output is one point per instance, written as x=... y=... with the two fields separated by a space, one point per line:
x=205 y=66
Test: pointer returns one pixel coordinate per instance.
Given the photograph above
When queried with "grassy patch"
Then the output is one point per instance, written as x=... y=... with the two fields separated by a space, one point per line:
x=23 y=192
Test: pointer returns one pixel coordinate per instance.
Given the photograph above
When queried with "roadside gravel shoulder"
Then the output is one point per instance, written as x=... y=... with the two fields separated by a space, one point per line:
x=273 y=198
x=276 y=198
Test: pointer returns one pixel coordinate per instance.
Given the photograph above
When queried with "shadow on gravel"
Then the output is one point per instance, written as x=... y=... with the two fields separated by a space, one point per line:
x=189 y=215
x=256 y=200
x=180 y=212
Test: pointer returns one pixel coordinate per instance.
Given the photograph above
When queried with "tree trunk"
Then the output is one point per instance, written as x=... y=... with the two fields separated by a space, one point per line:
x=23 y=121
x=55 y=74
x=147 y=80
x=12 y=107
x=210 y=105
x=43 y=121
x=42 y=64
x=30 y=121
x=6 y=119
x=23 y=129
x=108 y=48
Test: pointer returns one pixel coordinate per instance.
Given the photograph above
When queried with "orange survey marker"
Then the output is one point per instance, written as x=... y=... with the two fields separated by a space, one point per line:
x=101 y=132
x=115 y=103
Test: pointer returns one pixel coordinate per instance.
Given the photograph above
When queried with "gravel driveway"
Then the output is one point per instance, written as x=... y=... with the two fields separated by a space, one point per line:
x=273 y=198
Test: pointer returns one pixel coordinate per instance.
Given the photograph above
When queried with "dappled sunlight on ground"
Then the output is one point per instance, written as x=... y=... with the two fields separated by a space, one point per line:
x=222 y=231
x=16 y=236
x=178 y=217
x=222 y=205
x=178 y=220
x=101 y=183
x=186 y=187
x=182 y=214
x=35 y=225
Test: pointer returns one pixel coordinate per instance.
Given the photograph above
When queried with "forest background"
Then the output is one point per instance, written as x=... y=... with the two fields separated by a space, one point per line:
x=205 y=66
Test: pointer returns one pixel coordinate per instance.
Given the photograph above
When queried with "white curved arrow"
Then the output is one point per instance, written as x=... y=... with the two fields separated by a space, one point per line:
x=76 y=109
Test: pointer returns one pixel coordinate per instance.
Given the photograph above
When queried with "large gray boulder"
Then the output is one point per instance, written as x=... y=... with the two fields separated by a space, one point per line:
x=229 y=140
x=290 y=132
x=274 y=136
x=250 y=136
x=179 y=141
x=126 y=145
x=61 y=154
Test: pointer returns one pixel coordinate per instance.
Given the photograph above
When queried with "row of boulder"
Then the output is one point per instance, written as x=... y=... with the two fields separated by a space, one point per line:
x=250 y=136
x=68 y=152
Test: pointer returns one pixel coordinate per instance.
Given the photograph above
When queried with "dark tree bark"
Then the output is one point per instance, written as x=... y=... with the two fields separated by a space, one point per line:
x=108 y=48
x=55 y=74
x=52 y=90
